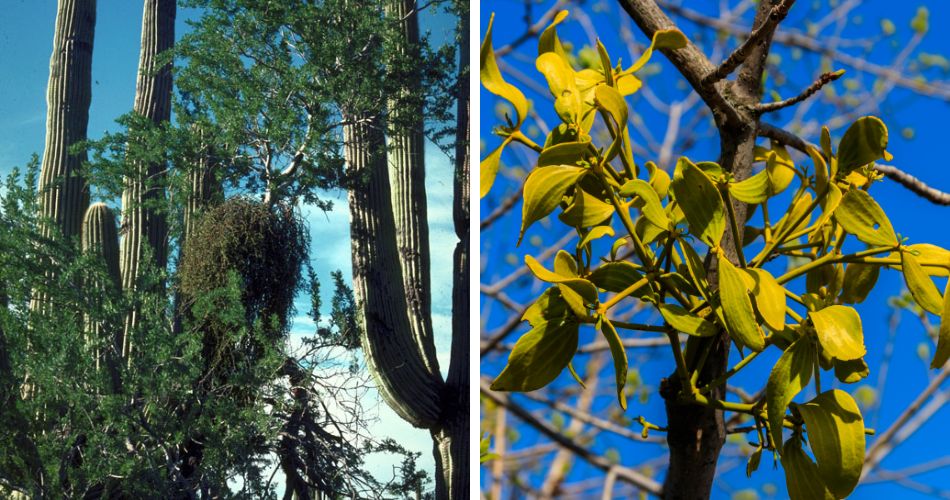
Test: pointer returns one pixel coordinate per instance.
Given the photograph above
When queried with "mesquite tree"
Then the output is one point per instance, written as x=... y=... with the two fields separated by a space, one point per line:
x=733 y=295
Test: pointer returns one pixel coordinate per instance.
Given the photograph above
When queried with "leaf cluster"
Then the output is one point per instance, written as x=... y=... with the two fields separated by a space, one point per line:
x=832 y=235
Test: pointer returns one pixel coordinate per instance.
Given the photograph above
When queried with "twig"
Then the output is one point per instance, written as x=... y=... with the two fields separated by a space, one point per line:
x=883 y=445
x=583 y=452
x=758 y=36
x=914 y=184
x=822 y=80
x=910 y=182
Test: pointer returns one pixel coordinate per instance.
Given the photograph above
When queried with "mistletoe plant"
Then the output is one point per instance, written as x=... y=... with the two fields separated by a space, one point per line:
x=667 y=225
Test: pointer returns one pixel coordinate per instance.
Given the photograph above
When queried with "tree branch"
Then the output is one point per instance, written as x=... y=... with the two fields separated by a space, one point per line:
x=758 y=37
x=822 y=80
x=629 y=475
x=689 y=60
x=910 y=182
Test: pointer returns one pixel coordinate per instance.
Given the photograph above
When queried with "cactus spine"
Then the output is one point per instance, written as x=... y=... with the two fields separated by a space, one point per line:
x=145 y=223
x=100 y=241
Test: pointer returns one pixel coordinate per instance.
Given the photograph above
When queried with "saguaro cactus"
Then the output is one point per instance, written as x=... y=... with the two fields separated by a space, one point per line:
x=395 y=355
x=145 y=223
x=63 y=192
x=407 y=171
x=100 y=240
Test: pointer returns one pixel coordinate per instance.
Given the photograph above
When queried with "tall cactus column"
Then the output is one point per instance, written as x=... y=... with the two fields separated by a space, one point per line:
x=407 y=172
x=452 y=437
x=146 y=226
x=64 y=194
x=100 y=241
x=392 y=353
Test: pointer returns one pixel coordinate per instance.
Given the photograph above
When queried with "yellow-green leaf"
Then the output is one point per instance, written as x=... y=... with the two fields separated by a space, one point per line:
x=595 y=233
x=769 y=298
x=934 y=260
x=780 y=169
x=865 y=141
x=859 y=280
x=754 y=189
x=659 y=180
x=619 y=355
x=647 y=201
x=564 y=264
x=829 y=203
x=493 y=82
x=695 y=268
x=836 y=433
x=586 y=210
x=839 y=331
x=560 y=77
x=861 y=216
x=488 y=168
x=581 y=286
x=700 y=201
x=801 y=474
x=684 y=321
x=539 y=356
x=737 y=309
x=662 y=39
x=543 y=191
x=789 y=376
x=616 y=276
x=943 y=334
x=921 y=287
x=549 y=306
x=548 y=41
x=565 y=153
x=852 y=371
x=608 y=99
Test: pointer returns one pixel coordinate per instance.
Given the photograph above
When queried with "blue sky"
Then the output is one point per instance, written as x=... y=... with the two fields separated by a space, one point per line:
x=911 y=216
x=25 y=46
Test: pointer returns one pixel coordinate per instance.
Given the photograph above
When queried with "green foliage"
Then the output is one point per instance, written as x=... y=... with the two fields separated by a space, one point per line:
x=668 y=223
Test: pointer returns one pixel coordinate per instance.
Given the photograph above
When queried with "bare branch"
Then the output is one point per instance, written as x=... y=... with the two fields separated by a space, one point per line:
x=757 y=37
x=689 y=60
x=822 y=80
x=629 y=475
x=883 y=445
x=914 y=184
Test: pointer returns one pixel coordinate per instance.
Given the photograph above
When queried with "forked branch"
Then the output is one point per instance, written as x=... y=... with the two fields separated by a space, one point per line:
x=757 y=37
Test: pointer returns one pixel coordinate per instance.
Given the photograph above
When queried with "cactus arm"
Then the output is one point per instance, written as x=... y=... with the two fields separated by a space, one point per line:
x=393 y=354
x=406 y=160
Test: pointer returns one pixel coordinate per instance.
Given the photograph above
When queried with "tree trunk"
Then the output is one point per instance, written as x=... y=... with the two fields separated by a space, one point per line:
x=144 y=223
x=407 y=171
